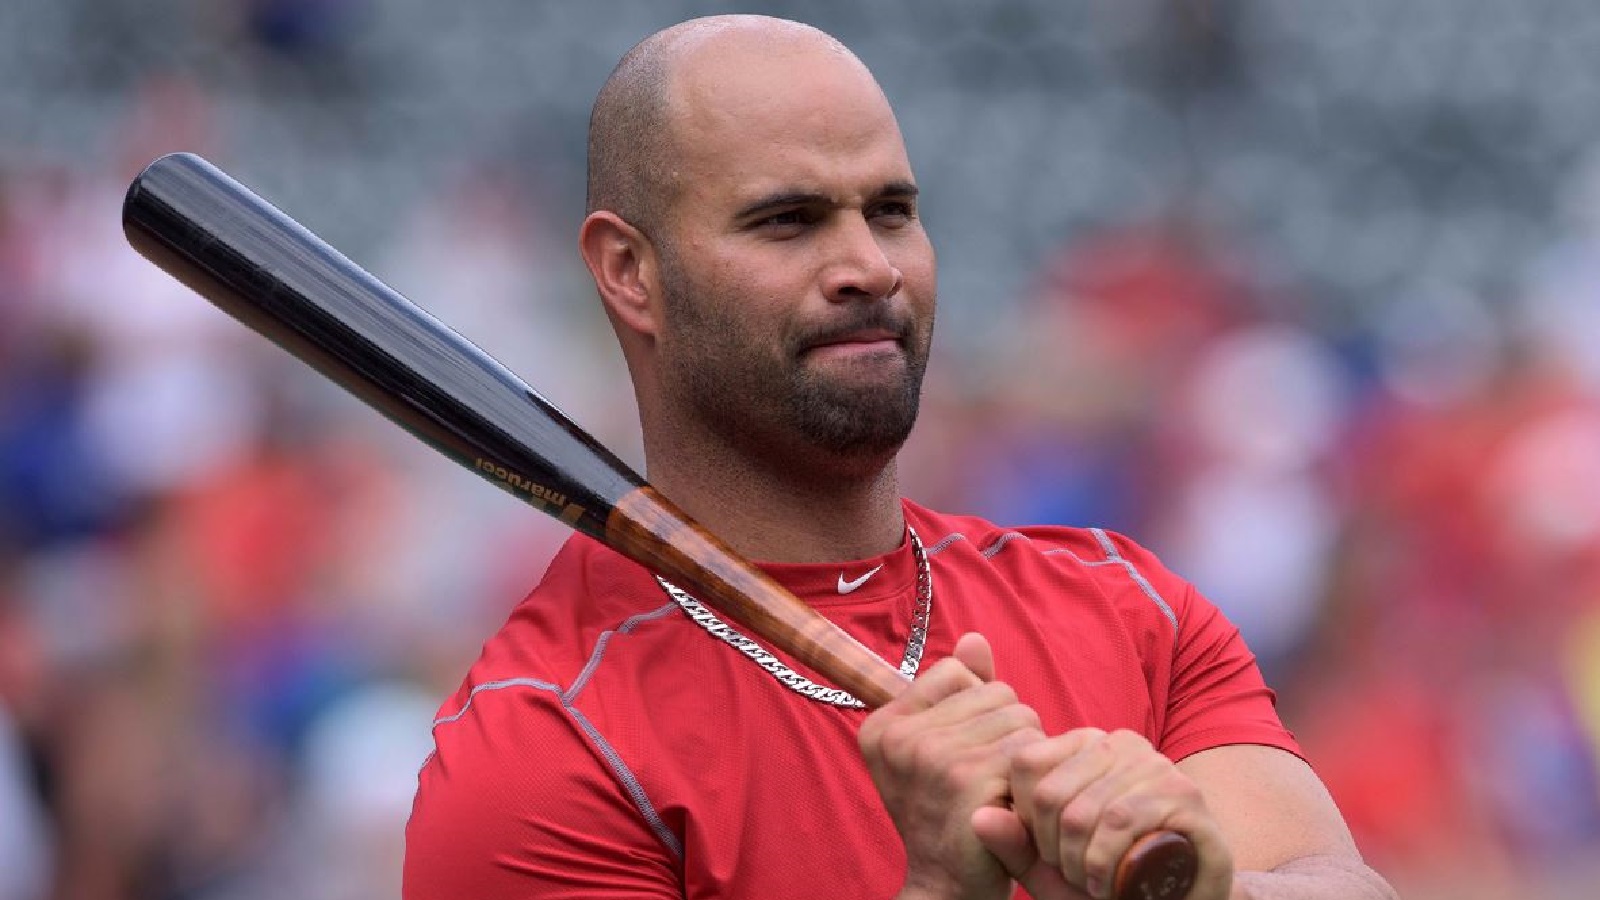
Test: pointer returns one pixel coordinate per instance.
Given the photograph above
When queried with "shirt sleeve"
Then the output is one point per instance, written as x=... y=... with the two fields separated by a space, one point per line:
x=517 y=803
x=1215 y=694
x=1218 y=694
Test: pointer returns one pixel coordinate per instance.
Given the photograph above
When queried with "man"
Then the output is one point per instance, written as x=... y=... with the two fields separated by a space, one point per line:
x=753 y=235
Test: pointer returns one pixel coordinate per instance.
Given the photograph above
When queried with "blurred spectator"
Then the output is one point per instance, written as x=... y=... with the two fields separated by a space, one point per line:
x=1249 y=517
x=25 y=848
x=26 y=843
x=1074 y=392
x=303 y=27
x=163 y=397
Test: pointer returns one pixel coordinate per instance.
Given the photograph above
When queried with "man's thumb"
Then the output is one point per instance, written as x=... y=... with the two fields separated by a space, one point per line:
x=1002 y=833
x=972 y=649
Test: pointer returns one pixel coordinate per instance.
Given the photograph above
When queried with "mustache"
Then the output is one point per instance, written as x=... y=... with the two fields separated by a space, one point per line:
x=875 y=318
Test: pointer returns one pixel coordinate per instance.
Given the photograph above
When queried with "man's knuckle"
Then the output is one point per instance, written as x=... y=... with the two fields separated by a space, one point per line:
x=964 y=770
x=999 y=693
x=1051 y=794
x=1033 y=761
x=1094 y=742
x=920 y=755
x=1025 y=718
x=871 y=732
x=1120 y=814
x=1080 y=815
x=924 y=755
x=951 y=672
x=901 y=742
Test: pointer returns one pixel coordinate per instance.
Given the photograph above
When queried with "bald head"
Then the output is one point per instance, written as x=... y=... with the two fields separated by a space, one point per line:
x=637 y=124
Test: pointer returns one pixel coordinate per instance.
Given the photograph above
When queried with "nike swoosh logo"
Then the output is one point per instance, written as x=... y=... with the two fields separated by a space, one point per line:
x=846 y=587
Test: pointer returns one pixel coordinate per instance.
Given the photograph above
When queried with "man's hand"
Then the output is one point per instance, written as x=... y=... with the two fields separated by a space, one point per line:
x=939 y=752
x=1081 y=799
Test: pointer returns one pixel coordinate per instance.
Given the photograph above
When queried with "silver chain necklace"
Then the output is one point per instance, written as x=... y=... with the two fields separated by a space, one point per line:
x=793 y=680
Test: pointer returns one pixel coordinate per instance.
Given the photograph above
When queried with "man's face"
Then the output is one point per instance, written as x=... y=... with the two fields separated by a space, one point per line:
x=799 y=284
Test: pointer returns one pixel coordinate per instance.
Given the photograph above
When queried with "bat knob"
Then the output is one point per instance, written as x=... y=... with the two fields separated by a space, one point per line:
x=1159 y=866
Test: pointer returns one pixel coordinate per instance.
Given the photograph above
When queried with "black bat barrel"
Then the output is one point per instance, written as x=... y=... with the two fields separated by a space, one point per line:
x=266 y=270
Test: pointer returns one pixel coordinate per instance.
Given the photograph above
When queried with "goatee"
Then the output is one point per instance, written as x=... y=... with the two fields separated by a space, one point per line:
x=851 y=419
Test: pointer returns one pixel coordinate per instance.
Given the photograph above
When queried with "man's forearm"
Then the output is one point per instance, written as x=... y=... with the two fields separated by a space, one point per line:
x=1314 y=878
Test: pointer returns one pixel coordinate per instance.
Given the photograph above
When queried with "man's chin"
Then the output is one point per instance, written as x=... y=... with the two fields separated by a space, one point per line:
x=860 y=430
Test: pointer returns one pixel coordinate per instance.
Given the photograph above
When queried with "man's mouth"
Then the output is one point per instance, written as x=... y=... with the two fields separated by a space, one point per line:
x=863 y=338
x=856 y=342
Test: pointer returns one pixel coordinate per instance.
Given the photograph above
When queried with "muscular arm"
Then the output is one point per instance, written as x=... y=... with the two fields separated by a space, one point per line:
x=1288 y=839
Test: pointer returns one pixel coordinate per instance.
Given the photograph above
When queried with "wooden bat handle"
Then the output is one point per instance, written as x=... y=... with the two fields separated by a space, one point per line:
x=648 y=528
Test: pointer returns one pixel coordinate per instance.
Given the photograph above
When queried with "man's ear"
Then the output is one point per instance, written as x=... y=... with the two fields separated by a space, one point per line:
x=624 y=265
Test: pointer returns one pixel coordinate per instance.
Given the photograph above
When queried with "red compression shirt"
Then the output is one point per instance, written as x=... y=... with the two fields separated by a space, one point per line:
x=605 y=745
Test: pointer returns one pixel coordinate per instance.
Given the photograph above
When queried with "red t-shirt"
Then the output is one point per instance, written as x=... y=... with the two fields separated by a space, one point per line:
x=605 y=745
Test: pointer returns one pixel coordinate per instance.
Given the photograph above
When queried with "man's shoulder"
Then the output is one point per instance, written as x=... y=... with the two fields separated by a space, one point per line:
x=588 y=595
x=1087 y=545
x=1097 y=559
x=585 y=570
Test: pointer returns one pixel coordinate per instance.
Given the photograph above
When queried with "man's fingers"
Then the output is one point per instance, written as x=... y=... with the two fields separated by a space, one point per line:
x=943 y=749
x=969 y=665
x=1048 y=775
x=1111 y=807
x=1164 y=800
x=954 y=690
x=973 y=650
x=974 y=731
x=1086 y=796
x=943 y=680
x=1002 y=832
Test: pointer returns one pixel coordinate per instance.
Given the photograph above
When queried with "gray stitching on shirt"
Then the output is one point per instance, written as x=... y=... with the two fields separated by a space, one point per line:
x=1112 y=558
x=947 y=541
x=1133 y=572
x=1001 y=541
x=600 y=647
x=630 y=784
x=495 y=686
x=1080 y=560
x=619 y=769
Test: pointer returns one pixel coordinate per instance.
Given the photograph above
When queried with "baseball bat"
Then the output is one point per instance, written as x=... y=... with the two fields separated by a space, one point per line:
x=275 y=276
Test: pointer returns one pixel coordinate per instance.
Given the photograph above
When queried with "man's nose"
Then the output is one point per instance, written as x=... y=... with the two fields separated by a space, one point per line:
x=860 y=269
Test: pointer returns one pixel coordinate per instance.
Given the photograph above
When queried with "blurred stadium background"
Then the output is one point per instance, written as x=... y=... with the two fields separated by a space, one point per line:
x=1305 y=295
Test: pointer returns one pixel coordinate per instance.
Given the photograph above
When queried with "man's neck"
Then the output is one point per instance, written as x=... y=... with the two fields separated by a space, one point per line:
x=783 y=513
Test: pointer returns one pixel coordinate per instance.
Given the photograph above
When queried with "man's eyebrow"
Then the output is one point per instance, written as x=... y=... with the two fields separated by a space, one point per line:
x=781 y=200
x=902 y=189
x=785 y=199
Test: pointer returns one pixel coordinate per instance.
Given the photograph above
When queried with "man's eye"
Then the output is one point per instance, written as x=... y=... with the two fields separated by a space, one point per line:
x=787 y=218
x=894 y=210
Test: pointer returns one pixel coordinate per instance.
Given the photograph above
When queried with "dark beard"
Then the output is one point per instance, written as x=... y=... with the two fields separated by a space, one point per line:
x=850 y=421
x=800 y=406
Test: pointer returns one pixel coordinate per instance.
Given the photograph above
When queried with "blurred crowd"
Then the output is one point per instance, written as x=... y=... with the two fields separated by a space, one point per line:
x=231 y=597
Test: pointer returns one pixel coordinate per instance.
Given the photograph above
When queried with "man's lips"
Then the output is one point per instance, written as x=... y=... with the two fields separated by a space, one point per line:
x=857 y=341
